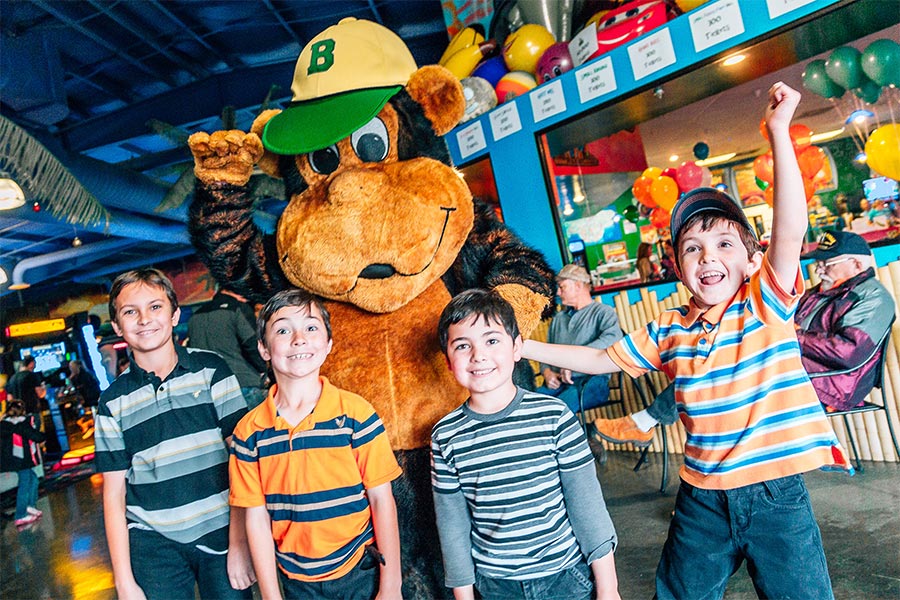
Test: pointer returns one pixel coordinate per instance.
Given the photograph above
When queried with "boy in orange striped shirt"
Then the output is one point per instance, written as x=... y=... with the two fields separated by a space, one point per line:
x=313 y=467
x=753 y=420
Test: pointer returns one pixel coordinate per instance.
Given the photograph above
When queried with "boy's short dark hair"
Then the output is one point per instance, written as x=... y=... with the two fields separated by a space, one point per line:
x=28 y=360
x=483 y=303
x=290 y=297
x=708 y=220
x=149 y=276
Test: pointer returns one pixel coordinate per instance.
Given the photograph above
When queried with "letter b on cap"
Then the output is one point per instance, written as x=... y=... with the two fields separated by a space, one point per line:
x=321 y=57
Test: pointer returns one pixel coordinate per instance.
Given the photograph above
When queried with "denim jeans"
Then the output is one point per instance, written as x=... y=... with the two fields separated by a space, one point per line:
x=27 y=492
x=596 y=393
x=663 y=407
x=361 y=583
x=168 y=570
x=572 y=584
x=770 y=524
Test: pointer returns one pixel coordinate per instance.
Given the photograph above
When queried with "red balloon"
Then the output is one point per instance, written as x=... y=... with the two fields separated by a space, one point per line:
x=670 y=172
x=660 y=218
x=641 y=191
x=763 y=131
x=688 y=176
x=769 y=195
x=801 y=137
x=811 y=161
x=762 y=167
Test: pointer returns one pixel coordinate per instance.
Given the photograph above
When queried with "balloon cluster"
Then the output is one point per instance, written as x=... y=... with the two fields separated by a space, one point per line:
x=810 y=158
x=846 y=68
x=657 y=190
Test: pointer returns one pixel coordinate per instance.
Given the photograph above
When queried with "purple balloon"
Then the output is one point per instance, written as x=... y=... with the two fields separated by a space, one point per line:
x=491 y=70
x=555 y=61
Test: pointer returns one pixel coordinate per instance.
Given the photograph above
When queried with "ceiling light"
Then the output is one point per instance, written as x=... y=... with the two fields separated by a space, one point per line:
x=20 y=286
x=825 y=135
x=733 y=60
x=859 y=116
x=673 y=158
x=11 y=195
x=714 y=160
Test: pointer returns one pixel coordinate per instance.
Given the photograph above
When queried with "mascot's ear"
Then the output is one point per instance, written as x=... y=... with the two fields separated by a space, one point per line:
x=268 y=164
x=440 y=95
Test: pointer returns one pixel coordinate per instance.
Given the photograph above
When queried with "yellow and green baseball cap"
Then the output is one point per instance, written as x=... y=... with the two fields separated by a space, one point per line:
x=343 y=78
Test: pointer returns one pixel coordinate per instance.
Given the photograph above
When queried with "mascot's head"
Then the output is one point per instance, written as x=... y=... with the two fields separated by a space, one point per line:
x=376 y=212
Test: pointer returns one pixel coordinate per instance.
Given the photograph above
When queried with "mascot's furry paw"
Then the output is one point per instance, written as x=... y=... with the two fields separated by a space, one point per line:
x=526 y=303
x=225 y=156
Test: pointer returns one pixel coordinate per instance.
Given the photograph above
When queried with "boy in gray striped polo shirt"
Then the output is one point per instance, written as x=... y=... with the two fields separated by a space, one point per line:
x=519 y=509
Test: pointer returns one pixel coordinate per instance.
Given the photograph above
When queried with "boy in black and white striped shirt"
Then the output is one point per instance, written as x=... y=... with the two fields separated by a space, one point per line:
x=520 y=512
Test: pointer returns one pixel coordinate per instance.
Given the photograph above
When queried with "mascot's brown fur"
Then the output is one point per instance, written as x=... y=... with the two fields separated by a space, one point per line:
x=386 y=230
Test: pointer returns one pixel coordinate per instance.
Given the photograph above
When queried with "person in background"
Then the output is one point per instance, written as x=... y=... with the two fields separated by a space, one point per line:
x=520 y=512
x=333 y=519
x=84 y=383
x=161 y=432
x=225 y=325
x=667 y=262
x=582 y=322
x=647 y=269
x=27 y=386
x=20 y=453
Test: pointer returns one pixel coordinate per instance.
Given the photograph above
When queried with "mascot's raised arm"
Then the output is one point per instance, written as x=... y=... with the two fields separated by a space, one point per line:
x=380 y=225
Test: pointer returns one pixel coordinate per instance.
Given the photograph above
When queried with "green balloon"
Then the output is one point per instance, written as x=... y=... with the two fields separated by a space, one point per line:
x=881 y=62
x=630 y=213
x=843 y=67
x=761 y=184
x=816 y=80
x=869 y=91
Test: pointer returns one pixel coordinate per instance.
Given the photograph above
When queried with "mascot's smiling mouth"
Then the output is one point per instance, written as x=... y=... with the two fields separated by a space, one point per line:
x=383 y=271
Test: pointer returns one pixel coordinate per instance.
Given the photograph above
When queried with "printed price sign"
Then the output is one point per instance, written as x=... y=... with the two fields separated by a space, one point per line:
x=782 y=7
x=596 y=79
x=583 y=45
x=547 y=100
x=652 y=53
x=505 y=121
x=471 y=139
x=714 y=24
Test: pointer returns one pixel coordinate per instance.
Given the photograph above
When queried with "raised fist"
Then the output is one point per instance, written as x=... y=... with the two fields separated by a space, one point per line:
x=225 y=156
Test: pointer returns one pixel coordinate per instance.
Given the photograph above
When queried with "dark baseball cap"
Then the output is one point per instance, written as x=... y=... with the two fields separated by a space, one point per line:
x=836 y=243
x=705 y=200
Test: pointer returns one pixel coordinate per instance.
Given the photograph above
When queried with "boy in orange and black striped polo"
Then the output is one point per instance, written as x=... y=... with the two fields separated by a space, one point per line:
x=753 y=421
x=313 y=467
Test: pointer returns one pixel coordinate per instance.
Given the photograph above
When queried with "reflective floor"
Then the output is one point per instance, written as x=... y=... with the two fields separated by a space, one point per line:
x=64 y=554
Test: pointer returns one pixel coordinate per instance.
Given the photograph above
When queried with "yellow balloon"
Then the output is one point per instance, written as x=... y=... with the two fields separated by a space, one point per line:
x=652 y=172
x=883 y=151
x=664 y=192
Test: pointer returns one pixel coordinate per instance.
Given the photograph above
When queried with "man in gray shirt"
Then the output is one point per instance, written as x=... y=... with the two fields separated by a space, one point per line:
x=582 y=322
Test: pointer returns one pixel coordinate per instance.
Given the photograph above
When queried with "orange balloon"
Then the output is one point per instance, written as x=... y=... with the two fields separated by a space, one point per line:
x=641 y=191
x=801 y=137
x=763 y=131
x=809 y=188
x=763 y=167
x=769 y=195
x=664 y=192
x=811 y=161
x=651 y=172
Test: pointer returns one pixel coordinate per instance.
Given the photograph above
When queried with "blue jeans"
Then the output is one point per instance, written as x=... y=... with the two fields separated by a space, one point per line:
x=360 y=583
x=27 y=492
x=572 y=584
x=168 y=570
x=596 y=392
x=770 y=524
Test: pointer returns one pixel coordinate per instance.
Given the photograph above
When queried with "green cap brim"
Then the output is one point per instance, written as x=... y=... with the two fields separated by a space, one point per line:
x=316 y=124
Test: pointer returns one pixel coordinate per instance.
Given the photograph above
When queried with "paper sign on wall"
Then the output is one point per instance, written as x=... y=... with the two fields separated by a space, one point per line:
x=716 y=23
x=596 y=79
x=471 y=139
x=505 y=121
x=781 y=7
x=651 y=53
x=547 y=100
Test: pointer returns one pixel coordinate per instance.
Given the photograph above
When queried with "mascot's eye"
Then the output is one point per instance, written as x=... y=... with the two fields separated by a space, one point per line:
x=370 y=142
x=325 y=161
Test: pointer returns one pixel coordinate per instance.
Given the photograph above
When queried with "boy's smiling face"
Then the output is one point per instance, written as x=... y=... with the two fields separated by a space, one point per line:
x=482 y=355
x=713 y=264
x=144 y=317
x=297 y=341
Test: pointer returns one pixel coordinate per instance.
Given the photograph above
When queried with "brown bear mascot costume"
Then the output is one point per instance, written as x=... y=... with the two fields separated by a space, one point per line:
x=381 y=226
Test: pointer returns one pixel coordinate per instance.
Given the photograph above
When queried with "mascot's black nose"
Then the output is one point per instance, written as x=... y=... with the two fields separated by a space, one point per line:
x=377 y=272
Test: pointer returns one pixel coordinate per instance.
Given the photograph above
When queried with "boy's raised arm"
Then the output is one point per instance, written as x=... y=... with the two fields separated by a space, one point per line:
x=789 y=219
x=582 y=359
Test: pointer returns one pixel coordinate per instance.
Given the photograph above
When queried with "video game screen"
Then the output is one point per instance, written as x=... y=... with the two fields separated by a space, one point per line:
x=47 y=357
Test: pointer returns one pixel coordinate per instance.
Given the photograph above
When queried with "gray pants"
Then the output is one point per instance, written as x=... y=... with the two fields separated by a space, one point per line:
x=663 y=407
